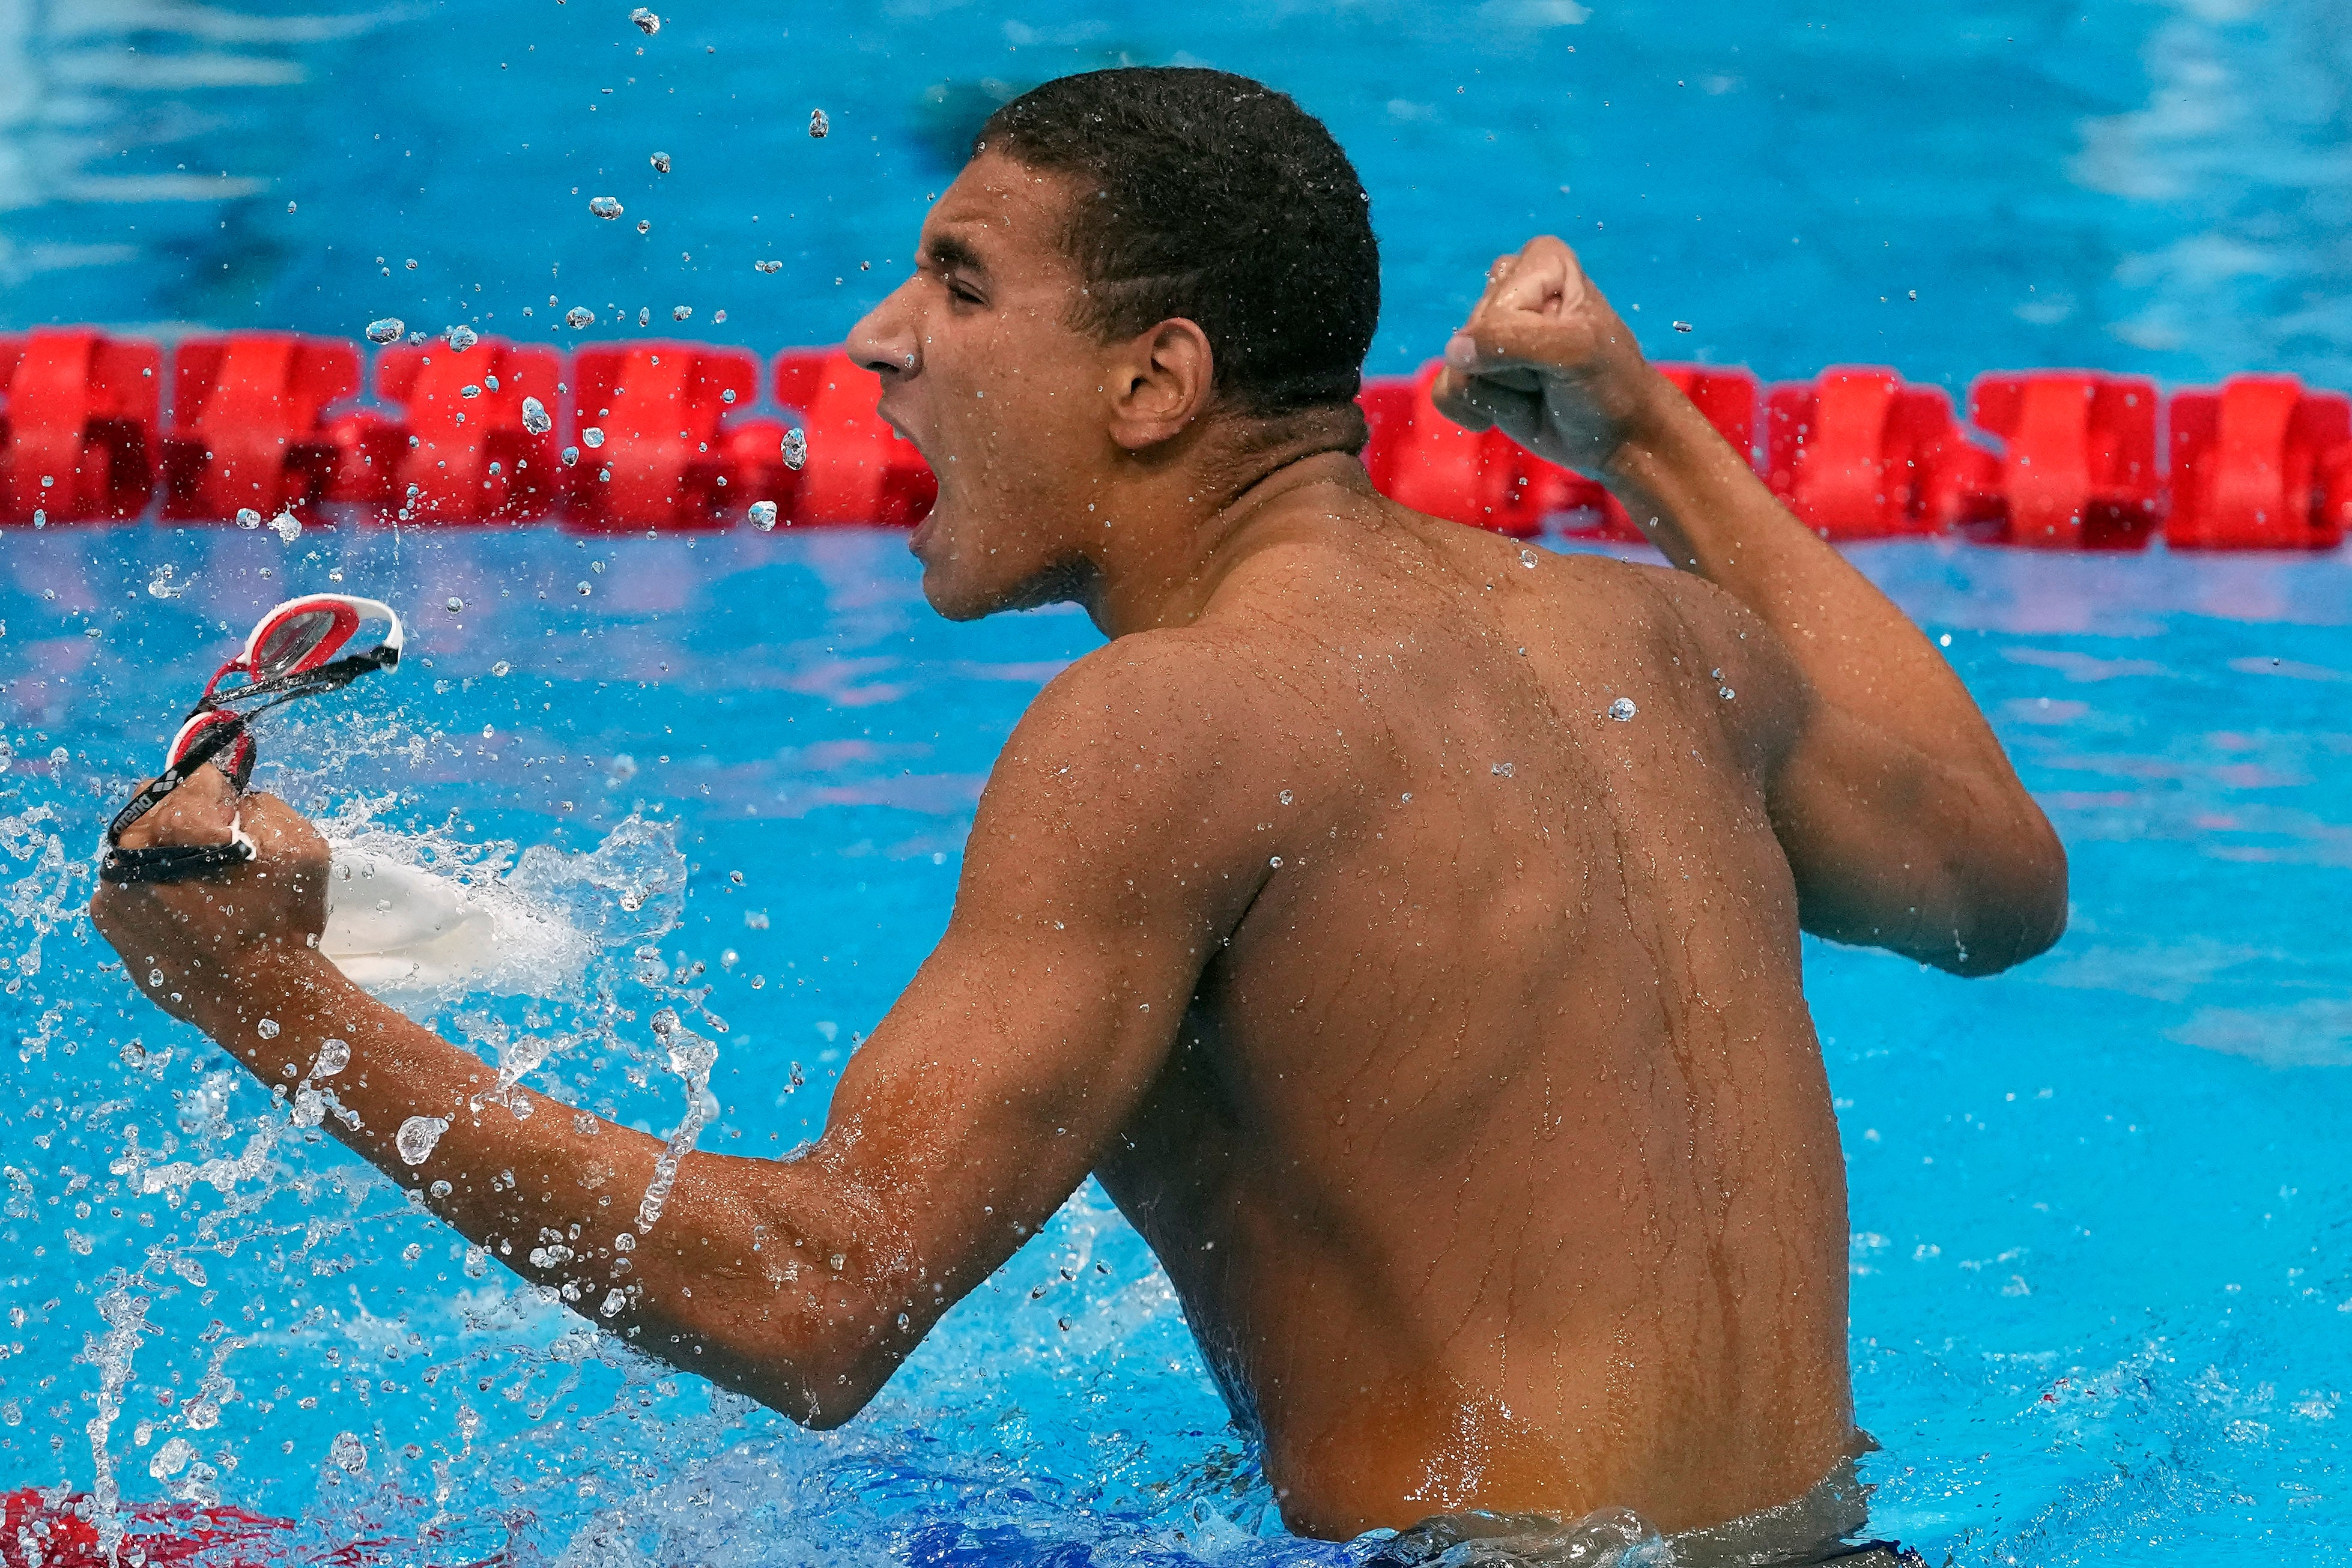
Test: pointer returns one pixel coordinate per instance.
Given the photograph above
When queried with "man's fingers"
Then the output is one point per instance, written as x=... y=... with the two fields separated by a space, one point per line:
x=1451 y=394
x=198 y=812
x=1513 y=399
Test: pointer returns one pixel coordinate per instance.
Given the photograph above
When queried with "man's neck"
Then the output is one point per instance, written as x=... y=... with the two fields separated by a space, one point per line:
x=1174 y=533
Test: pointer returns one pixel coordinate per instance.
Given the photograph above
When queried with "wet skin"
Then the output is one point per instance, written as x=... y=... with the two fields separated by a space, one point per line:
x=1443 y=1034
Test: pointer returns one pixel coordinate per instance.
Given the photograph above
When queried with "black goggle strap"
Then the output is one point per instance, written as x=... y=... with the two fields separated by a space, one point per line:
x=174 y=862
x=330 y=676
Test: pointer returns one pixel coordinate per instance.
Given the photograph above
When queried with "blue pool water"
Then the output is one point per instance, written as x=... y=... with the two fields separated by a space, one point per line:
x=2155 y=187
x=2102 y=1293
x=2103 y=1276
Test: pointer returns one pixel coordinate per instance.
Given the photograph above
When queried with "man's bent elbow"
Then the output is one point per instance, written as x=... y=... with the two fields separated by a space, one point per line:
x=818 y=1369
x=2022 y=914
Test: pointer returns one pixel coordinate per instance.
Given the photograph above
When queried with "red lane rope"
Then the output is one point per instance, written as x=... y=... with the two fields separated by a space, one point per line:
x=667 y=436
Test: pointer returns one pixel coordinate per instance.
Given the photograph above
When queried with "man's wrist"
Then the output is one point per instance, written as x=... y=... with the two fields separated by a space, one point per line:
x=266 y=981
x=1653 y=425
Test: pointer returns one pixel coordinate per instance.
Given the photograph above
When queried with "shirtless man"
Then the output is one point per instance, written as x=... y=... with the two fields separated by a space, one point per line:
x=1401 y=923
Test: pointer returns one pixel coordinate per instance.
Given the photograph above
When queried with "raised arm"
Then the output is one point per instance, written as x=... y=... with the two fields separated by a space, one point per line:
x=1904 y=822
x=978 y=1103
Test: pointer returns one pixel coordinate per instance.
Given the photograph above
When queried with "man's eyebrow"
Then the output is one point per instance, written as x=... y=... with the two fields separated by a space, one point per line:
x=946 y=251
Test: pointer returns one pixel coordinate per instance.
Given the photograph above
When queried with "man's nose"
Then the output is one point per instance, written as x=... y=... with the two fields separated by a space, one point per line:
x=888 y=341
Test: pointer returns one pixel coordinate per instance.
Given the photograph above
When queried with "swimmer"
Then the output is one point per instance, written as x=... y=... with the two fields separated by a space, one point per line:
x=1401 y=924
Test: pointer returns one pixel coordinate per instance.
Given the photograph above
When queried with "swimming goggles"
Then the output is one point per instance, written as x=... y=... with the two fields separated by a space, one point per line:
x=291 y=655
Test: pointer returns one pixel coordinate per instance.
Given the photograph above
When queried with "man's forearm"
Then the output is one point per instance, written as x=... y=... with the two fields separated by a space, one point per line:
x=1702 y=504
x=552 y=1193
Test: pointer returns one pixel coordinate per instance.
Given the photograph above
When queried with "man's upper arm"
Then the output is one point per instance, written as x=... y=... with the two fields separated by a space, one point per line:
x=1946 y=863
x=1103 y=865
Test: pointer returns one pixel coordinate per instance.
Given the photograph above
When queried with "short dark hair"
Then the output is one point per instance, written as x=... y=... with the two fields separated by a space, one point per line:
x=1210 y=196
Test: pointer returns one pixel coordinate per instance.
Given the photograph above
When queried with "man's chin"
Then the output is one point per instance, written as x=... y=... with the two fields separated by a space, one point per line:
x=959 y=594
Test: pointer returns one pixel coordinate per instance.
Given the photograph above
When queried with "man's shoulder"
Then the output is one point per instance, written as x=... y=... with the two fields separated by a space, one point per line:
x=1191 y=684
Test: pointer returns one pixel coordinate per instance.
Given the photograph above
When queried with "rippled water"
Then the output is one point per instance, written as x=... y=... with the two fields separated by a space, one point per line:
x=2101 y=1288
x=2156 y=187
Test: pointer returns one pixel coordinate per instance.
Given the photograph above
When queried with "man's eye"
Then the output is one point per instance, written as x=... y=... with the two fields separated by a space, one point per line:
x=965 y=292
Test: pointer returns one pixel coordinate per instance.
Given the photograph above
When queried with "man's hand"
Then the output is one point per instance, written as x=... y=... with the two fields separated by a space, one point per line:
x=1545 y=358
x=194 y=934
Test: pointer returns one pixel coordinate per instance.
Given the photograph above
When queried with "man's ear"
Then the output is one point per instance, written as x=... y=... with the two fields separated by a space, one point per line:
x=1160 y=382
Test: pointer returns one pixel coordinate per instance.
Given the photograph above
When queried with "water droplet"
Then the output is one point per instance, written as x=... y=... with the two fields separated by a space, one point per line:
x=592 y=437
x=605 y=206
x=767 y=266
x=334 y=1055
x=491 y=382
x=1285 y=797
x=500 y=668
x=647 y=23
x=1726 y=693
x=719 y=318
x=1682 y=326
x=680 y=312
x=386 y=330
x=644 y=227
x=534 y=417
x=661 y=163
x=1501 y=770
x=578 y=317
x=462 y=337
x=266 y=1029
x=613 y=1301
x=416 y=1137
x=455 y=604
x=40 y=517
x=289 y=527
x=819 y=126
x=571 y=456
x=838 y=1260
x=1275 y=860
x=796 y=448
x=412 y=263
x=1623 y=709
x=469 y=391
x=585 y=590
x=349 y=1452
x=727 y=394
x=764 y=516
x=1528 y=559
x=154 y=976
x=247 y=517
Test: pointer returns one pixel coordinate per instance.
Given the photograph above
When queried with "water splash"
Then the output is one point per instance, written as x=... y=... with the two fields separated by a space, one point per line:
x=692 y=1058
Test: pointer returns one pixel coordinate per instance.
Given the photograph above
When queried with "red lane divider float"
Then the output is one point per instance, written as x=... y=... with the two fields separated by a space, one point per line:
x=2081 y=467
x=1859 y=453
x=2261 y=464
x=859 y=469
x=79 y=427
x=646 y=420
x=666 y=436
x=462 y=449
x=246 y=432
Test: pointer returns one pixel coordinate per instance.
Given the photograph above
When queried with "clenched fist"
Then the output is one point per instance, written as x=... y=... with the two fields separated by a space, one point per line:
x=1544 y=360
x=192 y=934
